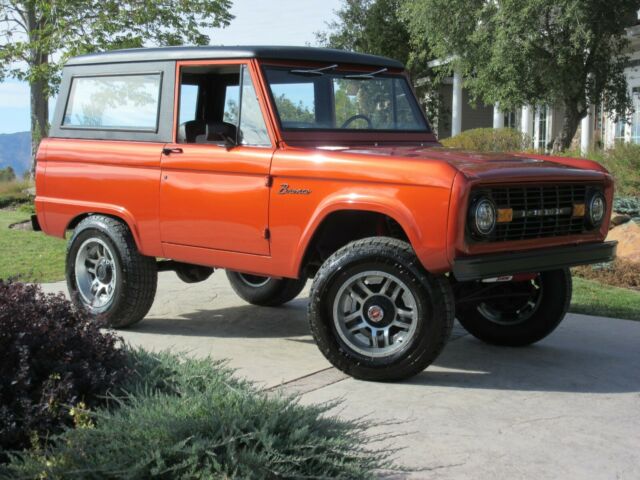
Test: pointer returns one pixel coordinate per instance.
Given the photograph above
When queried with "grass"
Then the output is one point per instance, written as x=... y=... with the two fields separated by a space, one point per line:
x=29 y=256
x=593 y=298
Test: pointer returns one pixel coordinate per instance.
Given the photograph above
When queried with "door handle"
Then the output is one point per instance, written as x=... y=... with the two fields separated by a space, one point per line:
x=169 y=151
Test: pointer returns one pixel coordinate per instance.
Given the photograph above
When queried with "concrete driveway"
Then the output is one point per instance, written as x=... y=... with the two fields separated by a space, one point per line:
x=568 y=407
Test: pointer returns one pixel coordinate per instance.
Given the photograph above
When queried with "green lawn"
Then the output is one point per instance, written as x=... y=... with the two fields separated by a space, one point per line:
x=29 y=256
x=593 y=298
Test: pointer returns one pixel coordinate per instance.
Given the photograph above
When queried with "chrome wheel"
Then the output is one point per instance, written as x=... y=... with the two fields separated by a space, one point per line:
x=254 y=281
x=375 y=314
x=96 y=273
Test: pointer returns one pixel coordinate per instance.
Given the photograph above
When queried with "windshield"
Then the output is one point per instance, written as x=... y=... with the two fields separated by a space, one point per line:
x=324 y=99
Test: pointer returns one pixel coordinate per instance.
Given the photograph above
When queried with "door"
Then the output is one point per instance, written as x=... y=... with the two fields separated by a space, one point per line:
x=214 y=191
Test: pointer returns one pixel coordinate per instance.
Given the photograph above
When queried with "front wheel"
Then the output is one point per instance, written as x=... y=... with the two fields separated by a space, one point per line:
x=376 y=314
x=515 y=313
x=265 y=291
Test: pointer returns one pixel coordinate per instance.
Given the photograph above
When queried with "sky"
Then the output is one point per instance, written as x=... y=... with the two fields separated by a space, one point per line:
x=285 y=22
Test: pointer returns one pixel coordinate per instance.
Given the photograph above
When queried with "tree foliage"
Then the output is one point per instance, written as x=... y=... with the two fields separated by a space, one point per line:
x=375 y=27
x=378 y=27
x=38 y=36
x=570 y=53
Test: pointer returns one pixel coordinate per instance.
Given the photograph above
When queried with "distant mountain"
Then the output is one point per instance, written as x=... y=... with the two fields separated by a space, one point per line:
x=15 y=151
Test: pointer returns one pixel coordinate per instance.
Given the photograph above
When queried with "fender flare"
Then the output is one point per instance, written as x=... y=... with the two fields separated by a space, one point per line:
x=85 y=209
x=357 y=202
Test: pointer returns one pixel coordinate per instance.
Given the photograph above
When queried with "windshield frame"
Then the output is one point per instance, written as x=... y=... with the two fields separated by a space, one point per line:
x=360 y=135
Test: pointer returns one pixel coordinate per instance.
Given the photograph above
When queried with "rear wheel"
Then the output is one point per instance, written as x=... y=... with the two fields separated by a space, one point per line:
x=376 y=314
x=514 y=313
x=265 y=291
x=106 y=275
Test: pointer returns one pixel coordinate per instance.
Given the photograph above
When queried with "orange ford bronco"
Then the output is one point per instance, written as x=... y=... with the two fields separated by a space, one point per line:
x=282 y=164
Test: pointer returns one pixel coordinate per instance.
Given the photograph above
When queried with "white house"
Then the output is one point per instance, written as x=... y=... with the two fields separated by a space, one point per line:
x=542 y=123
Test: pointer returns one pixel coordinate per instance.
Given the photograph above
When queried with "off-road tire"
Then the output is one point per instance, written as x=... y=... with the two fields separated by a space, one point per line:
x=275 y=292
x=553 y=306
x=137 y=274
x=434 y=300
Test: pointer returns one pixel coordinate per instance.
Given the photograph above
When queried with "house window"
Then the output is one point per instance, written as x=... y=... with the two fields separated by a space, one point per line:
x=510 y=120
x=619 y=130
x=635 y=119
x=541 y=128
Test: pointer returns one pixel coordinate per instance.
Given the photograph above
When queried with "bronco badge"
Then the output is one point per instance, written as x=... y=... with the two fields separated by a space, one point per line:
x=285 y=190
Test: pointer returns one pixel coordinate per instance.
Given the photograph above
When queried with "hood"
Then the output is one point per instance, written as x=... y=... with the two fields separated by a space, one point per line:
x=485 y=166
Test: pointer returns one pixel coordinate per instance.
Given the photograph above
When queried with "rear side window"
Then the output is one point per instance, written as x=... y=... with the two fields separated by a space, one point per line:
x=118 y=102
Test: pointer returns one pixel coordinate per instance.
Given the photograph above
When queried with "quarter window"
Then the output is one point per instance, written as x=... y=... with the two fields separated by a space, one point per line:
x=118 y=102
x=253 y=130
x=188 y=102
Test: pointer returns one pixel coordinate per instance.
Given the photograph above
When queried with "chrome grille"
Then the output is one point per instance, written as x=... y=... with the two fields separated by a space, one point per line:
x=539 y=211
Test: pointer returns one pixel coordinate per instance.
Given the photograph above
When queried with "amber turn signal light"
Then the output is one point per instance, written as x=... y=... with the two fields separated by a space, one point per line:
x=578 y=210
x=505 y=215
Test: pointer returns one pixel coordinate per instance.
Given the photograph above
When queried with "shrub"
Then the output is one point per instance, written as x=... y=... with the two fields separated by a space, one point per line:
x=14 y=193
x=489 y=140
x=619 y=273
x=627 y=205
x=51 y=359
x=186 y=418
x=622 y=161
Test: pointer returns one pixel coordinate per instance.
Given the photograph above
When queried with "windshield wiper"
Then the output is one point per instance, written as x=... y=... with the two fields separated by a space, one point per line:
x=316 y=71
x=365 y=76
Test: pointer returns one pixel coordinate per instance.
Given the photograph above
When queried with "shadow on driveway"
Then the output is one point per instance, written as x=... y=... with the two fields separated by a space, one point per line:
x=587 y=355
x=246 y=321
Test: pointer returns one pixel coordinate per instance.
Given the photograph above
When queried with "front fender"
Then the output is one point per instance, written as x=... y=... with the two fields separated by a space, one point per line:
x=420 y=211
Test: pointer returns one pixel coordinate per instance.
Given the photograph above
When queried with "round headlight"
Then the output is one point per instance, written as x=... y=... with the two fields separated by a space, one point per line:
x=597 y=209
x=483 y=218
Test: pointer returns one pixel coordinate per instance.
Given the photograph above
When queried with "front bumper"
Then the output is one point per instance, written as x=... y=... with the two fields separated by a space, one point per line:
x=531 y=261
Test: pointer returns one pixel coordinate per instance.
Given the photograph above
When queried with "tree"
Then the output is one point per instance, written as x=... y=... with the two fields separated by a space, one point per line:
x=7 y=174
x=38 y=36
x=570 y=53
x=377 y=27
x=370 y=26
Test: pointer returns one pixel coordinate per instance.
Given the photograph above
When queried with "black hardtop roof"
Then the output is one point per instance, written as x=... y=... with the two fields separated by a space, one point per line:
x=210 y=52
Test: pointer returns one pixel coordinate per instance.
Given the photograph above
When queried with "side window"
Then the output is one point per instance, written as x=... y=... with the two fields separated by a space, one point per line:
x=218 y=104
x=253 y=130
x=116 y=102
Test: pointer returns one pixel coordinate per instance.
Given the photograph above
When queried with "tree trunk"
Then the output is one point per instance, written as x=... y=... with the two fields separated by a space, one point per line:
x=39 y=118
x=570 y=122
x=39 y=91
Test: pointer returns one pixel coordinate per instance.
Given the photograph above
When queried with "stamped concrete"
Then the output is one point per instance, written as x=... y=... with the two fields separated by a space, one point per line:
x=568 y=407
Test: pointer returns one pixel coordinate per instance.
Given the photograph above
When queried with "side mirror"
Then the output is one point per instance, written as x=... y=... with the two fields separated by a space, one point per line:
x=222 y=131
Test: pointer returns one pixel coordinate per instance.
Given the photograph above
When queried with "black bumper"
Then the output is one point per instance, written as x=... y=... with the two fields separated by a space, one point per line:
x=495 y=265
